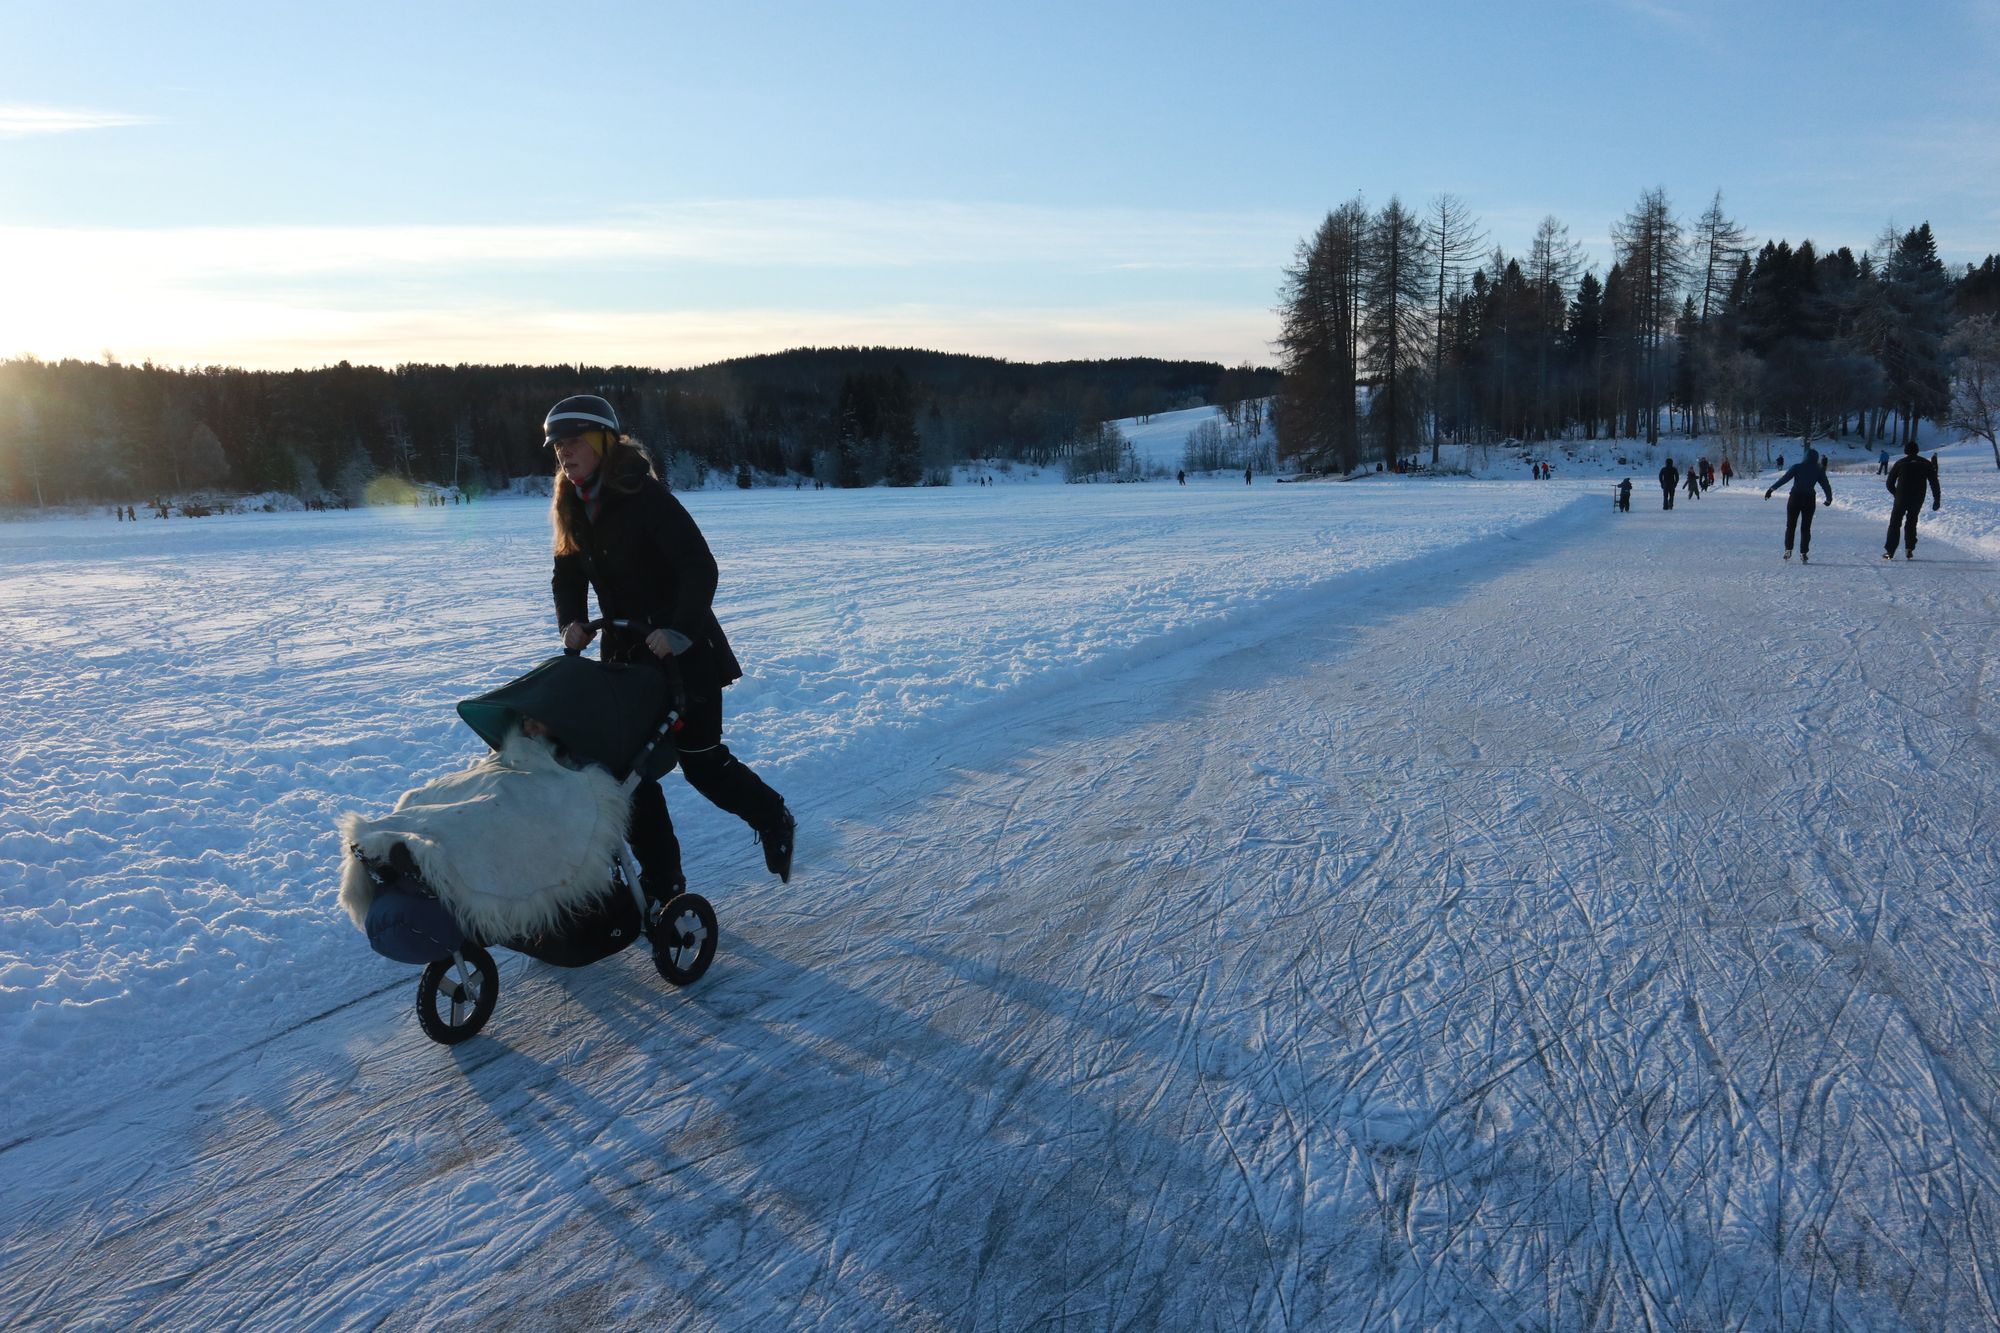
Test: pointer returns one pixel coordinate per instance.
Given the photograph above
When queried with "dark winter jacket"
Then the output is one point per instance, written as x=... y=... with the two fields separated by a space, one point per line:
x=1909 y=478
x=1805 y=474
x=648 y=562
x=1670 y=476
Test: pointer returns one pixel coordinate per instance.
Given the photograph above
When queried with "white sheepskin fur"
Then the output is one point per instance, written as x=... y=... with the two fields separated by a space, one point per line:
x=511 y=845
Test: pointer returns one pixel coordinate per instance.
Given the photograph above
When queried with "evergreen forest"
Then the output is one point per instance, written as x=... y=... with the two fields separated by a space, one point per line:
x=1402 y=331
x=88 y=431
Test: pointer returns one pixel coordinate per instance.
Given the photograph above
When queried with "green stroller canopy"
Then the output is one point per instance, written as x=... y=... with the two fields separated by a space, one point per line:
x=602 y=713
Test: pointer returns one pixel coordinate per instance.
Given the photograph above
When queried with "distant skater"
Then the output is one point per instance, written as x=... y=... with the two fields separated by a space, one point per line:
x=1727 y=471
x=1694 y=482
x=1882 y=466
x=1670 y=479
x=1907 y=481
x=1625 y=496
x=1810 y=472
x=1246 y=476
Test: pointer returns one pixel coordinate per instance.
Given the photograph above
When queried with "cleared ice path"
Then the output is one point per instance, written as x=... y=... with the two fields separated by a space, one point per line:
x=1592 y=928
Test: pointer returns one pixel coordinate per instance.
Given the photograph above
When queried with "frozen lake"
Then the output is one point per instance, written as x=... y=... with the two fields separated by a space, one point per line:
x=1401 y=904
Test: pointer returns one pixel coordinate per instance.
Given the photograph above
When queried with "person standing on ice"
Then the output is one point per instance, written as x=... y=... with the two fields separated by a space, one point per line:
x=1907 y=482
x=1670 y=478
x=1809 y=472
x=1727 y=471
x=1625 y=496
x=621 y=533
x=1694 y=481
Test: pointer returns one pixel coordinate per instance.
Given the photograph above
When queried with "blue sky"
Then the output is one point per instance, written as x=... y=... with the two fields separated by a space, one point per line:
x=668 y=184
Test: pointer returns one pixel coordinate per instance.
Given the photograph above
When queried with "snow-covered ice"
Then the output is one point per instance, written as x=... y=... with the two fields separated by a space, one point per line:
x=1392 y=903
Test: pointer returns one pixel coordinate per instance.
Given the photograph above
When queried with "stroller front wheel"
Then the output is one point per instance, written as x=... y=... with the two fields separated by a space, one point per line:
x=684 y=938
x=457 y=994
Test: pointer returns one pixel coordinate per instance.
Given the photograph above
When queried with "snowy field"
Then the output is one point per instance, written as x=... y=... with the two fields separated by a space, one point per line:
x=1387 y=904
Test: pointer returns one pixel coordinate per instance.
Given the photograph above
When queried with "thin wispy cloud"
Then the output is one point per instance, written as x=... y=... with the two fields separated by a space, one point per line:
x=21 y=120
x=819 y=233
x=1667 y=14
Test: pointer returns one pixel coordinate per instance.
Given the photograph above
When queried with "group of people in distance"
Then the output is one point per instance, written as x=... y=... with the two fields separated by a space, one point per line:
x=1701 y=475
x=1912 y=475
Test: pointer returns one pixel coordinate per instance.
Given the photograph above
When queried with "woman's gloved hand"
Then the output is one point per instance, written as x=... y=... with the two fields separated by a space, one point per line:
x=668 y=643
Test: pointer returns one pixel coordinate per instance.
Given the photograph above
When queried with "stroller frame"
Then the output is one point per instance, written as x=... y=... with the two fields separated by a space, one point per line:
x=460 y=984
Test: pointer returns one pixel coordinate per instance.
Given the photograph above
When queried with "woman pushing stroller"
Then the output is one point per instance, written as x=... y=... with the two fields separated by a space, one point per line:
x=620 y=533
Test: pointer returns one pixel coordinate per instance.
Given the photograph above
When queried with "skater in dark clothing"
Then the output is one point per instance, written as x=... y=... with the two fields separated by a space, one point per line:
x=1625 y=496
x=1907 y=482
x=1670 y=478
x=1246 y=476
x=1694 y=482
x=1181 y=476
x=1810 y=472
x=620 y=533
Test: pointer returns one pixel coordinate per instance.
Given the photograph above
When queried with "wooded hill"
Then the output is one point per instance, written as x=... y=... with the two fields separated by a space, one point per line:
x=74 y=431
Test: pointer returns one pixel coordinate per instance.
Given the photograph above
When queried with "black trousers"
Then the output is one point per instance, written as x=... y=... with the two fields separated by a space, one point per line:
x=1905 y=517
x=1666 y=497
x=1798 y=514
x=713 y=771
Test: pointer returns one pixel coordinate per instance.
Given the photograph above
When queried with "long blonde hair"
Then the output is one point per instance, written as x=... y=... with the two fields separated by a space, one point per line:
x=623 y=468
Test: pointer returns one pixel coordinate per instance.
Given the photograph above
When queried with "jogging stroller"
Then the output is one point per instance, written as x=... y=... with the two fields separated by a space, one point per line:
x=525 y=850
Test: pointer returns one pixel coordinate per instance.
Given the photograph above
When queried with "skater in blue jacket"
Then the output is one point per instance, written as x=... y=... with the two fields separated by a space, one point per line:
x=1807 y=473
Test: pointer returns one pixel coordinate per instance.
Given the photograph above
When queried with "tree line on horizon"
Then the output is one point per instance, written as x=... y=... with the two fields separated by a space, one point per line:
x=1400 y=330
x=89 y=431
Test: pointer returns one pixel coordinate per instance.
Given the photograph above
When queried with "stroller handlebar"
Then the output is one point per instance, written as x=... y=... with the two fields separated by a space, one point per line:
x=603 y=622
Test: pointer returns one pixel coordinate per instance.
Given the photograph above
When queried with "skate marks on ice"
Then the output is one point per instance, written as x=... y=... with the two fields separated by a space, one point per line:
x=1526 y=946
x=1625 y=968
x=1634 y=971
x=1676 y=961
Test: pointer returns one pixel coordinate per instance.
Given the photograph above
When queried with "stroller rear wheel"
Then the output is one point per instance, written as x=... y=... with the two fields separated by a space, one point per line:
x=457 y=994
x=683 y=937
